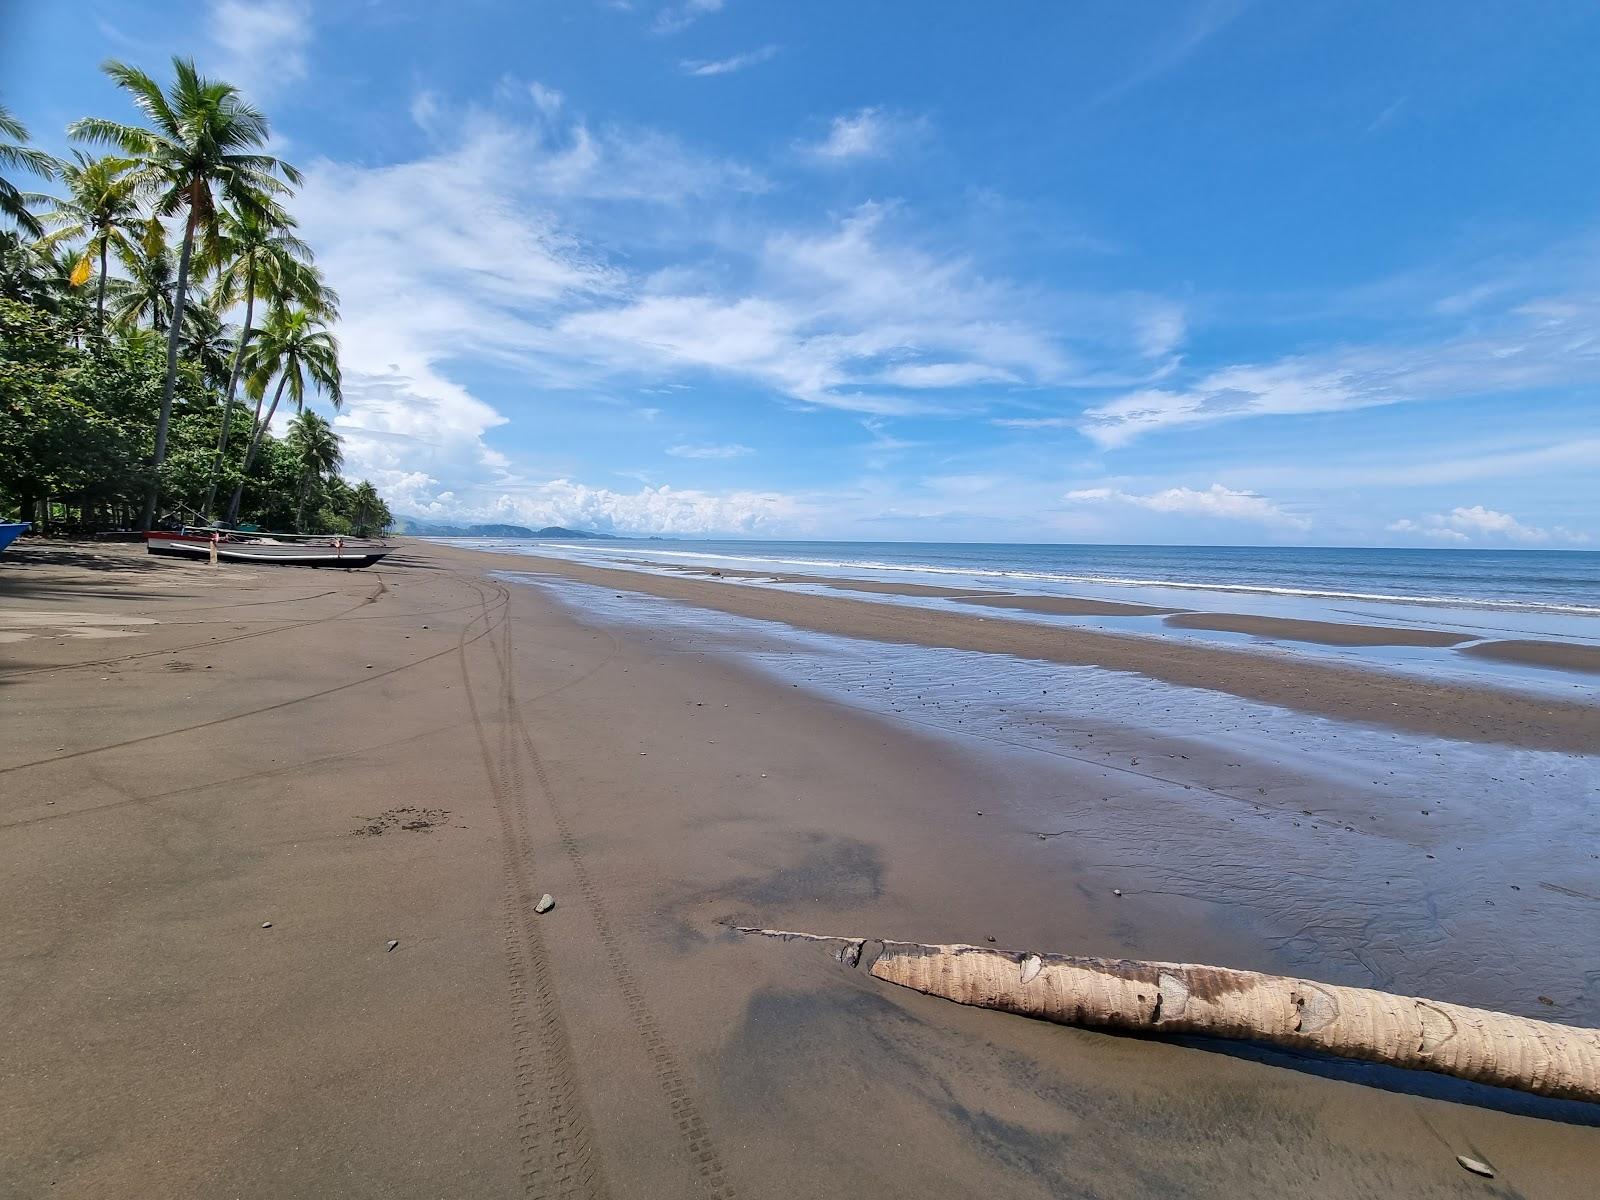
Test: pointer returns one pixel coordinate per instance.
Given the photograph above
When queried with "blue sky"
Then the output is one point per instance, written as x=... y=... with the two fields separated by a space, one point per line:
x=1174 y=272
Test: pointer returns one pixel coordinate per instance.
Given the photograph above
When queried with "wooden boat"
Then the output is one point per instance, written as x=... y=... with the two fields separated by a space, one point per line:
x=11 y=532
x=289 y=549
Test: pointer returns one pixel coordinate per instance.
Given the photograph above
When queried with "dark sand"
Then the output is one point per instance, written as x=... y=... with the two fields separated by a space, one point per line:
x=1563 y=656
x=1323 y=633
x=1439 y=708
x=416 y=752
x=1072 y=606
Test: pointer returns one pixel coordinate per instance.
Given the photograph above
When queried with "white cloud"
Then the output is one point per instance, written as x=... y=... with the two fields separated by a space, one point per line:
x=944 y=375
x=726 y=66
x=732 y=450
x=677 y=17
x=1553 y=342
x=833 y=321
x=1181 y=40
x=1216 y=501
x=547 y=99
x=261 y=43
x=661 y=509
x=865 y=133
x=584 y=261
x=1484 y=525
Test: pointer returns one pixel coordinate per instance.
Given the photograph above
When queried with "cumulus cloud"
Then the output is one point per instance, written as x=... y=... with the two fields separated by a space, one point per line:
x=866 y=133
x=1484 y=525
x=1216 y=501
x=732 y=450
x=261 y=44
x=726 y=66
x=649 y=510
x=579 y=259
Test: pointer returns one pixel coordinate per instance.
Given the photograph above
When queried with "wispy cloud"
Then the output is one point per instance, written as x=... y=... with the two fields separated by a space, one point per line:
x=732 y=450
x=261 y=43
x=726 y=66
x=1548 y=342
x=1226 y=503
x=675 y=18
x=864 y=134
x=1387 y=115
x=1205 y=20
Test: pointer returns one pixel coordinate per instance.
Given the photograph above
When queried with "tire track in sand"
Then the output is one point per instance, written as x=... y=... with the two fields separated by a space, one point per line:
x=554 y=1132
x=684 y=1111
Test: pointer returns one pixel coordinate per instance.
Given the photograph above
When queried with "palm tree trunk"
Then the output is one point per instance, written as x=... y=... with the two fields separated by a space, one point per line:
x=100 y=299
x=250 y=451
x=173 y=334
x=227 y=403
x=300 y=509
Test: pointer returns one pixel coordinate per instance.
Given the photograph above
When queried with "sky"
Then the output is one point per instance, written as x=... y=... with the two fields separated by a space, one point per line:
x=1201 y=271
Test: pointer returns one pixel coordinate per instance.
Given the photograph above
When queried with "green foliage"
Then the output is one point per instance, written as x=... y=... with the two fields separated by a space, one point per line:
x=113 y=388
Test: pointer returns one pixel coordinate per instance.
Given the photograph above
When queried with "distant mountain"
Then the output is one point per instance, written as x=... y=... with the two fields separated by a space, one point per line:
x=421 y=528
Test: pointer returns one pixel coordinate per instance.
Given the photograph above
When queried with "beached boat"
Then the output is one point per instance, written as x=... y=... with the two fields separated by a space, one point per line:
x=299 y=550
x=11 y=532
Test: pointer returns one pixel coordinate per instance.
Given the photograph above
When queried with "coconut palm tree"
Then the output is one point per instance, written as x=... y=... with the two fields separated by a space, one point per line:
x=202 y=146
x=146 y=295
x=255 y=254
x=14 y=202
x=101 y=207
x=294 y=345
x=208 y=342
x=369 y=514
x=316 y=448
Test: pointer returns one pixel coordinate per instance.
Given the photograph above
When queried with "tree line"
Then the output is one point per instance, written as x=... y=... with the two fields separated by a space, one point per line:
x=133 y=398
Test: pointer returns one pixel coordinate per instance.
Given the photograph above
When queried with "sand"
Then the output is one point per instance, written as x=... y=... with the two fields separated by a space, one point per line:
x=1563 y=656
x=1409 y=704
x=415 y=753
x=1323 y=633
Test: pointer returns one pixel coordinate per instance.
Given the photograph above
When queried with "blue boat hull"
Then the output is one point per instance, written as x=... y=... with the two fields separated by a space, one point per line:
x=10 y=533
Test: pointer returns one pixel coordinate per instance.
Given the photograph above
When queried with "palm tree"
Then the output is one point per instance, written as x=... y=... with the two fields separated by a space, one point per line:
x=207 y=342
x=202 y=145
x=14 y=202
x=316 y=449
x=296 y=346
x=147 y=294
x=255 y=254
x=369 y=514
x=102 y=207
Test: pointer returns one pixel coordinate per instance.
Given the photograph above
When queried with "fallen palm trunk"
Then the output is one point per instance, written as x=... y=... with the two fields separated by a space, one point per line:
x=1402 y=1031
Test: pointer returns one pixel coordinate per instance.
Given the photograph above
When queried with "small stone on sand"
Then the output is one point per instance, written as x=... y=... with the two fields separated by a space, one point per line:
x=546 y=903
x=266 y=924
x=1116 y=891
x=1476 y=1167
x=393 y=942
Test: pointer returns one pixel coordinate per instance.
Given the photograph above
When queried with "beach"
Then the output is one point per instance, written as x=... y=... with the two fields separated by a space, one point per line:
x=275 y=840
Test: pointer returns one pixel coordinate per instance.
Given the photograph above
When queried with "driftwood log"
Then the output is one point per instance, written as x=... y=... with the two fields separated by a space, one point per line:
x=1152 y=997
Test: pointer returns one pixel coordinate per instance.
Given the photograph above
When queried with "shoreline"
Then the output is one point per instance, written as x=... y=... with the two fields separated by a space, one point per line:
x=157 y=813
x=1402 y=702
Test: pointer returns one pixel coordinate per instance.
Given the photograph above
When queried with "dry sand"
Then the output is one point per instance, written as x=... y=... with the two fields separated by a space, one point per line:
x=416 y=752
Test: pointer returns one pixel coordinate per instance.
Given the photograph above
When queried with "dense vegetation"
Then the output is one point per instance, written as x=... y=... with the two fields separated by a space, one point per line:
x=147 y=395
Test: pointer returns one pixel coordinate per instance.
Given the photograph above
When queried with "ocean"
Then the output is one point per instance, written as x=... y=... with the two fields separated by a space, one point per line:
x=1545 y=581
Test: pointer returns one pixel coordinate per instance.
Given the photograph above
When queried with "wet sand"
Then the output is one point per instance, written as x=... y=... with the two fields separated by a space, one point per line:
x=418 y=751
x=1072 y=606
x=1407 y=703
x=1560 y=655
x=1322 y=633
